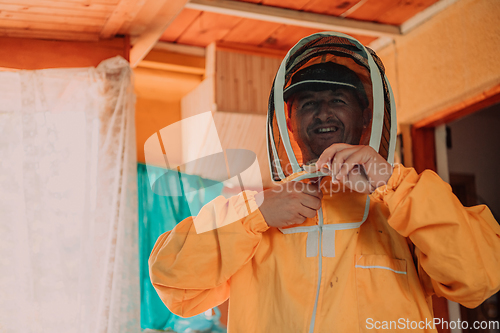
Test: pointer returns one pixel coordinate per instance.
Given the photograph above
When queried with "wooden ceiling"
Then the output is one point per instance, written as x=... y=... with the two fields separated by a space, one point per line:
x=198 y=28
x=90 y=20
x=275 y=24
x=381 y=11
x=214 y=23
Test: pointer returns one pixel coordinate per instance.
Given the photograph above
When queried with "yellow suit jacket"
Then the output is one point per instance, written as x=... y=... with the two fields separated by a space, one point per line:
x=368 y=261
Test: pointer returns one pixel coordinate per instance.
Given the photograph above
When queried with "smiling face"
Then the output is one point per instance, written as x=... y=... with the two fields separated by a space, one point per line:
x=319 y=119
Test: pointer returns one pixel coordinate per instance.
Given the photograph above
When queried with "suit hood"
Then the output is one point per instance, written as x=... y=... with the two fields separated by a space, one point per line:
x=285 y=157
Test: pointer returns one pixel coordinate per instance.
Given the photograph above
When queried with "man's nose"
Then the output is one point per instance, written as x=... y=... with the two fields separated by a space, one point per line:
x=325 y=111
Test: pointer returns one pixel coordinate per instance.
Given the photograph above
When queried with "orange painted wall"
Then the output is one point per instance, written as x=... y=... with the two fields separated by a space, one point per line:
x=158 y=105
x=150 y=117
x=446 y=60
x=25 y=53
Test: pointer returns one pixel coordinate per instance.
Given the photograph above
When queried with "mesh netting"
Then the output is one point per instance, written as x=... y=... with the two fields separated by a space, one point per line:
x=326 y=49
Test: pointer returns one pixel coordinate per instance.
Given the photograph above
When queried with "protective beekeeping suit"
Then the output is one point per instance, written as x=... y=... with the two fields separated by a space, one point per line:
x=367 y=255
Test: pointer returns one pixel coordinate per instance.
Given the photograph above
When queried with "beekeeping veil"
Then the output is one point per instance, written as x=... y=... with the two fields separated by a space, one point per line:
x=285 y=157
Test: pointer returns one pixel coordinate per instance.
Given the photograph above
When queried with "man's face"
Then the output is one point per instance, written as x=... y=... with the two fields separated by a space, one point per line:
x=321 y=118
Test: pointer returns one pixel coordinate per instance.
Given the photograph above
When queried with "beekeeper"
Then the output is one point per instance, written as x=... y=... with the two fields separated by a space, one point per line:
x=345 y=239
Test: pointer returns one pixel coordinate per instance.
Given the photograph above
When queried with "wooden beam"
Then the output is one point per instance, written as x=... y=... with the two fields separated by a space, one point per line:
x=48 y=34
x=167 y=57
x=425 y=15
x=51 y=8
x=167 y=13
x=124 y=13
x=33 y=20
x=251 y=50
x=58 y=7
x=171 y=67
x=293 y=17
x=47 y=26
x=181 y=49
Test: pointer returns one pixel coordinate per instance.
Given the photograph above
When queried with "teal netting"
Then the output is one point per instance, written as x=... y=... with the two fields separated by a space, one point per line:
x=158 y=214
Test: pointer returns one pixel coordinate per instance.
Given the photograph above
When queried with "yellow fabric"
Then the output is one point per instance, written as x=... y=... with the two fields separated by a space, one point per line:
x=272 y=285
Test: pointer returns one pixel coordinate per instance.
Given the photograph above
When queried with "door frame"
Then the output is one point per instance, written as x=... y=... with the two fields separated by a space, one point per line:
x=422 y=148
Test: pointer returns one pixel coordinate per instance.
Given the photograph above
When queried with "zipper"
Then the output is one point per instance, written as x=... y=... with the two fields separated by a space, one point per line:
x=320 y=262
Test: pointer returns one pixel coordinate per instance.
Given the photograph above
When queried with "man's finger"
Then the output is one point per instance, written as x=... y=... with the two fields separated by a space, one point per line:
x=299 y=219
x=352 y=160
x=313 y=190
x=340 y=159
x=328 y=154
x=307 y=212
x=311 y=202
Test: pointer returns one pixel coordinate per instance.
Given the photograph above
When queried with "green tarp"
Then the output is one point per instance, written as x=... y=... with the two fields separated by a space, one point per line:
x=159 y=213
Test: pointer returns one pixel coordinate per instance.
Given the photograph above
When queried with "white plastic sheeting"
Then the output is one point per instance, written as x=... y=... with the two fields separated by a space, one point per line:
x=68 y=206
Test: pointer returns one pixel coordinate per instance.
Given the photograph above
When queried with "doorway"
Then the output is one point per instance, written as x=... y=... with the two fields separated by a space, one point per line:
x=462 y=145
x=473 y=149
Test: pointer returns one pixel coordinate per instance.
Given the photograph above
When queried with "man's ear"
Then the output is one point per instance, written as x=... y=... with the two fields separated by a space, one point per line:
x=367 y=117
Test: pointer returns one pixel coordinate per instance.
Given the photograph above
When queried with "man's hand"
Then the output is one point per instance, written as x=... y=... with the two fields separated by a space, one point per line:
x=290 y=203
x=360 y=168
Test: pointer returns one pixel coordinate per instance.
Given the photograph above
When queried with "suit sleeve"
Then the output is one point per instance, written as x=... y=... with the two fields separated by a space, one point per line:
x=191 y=266
x=458 y=248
